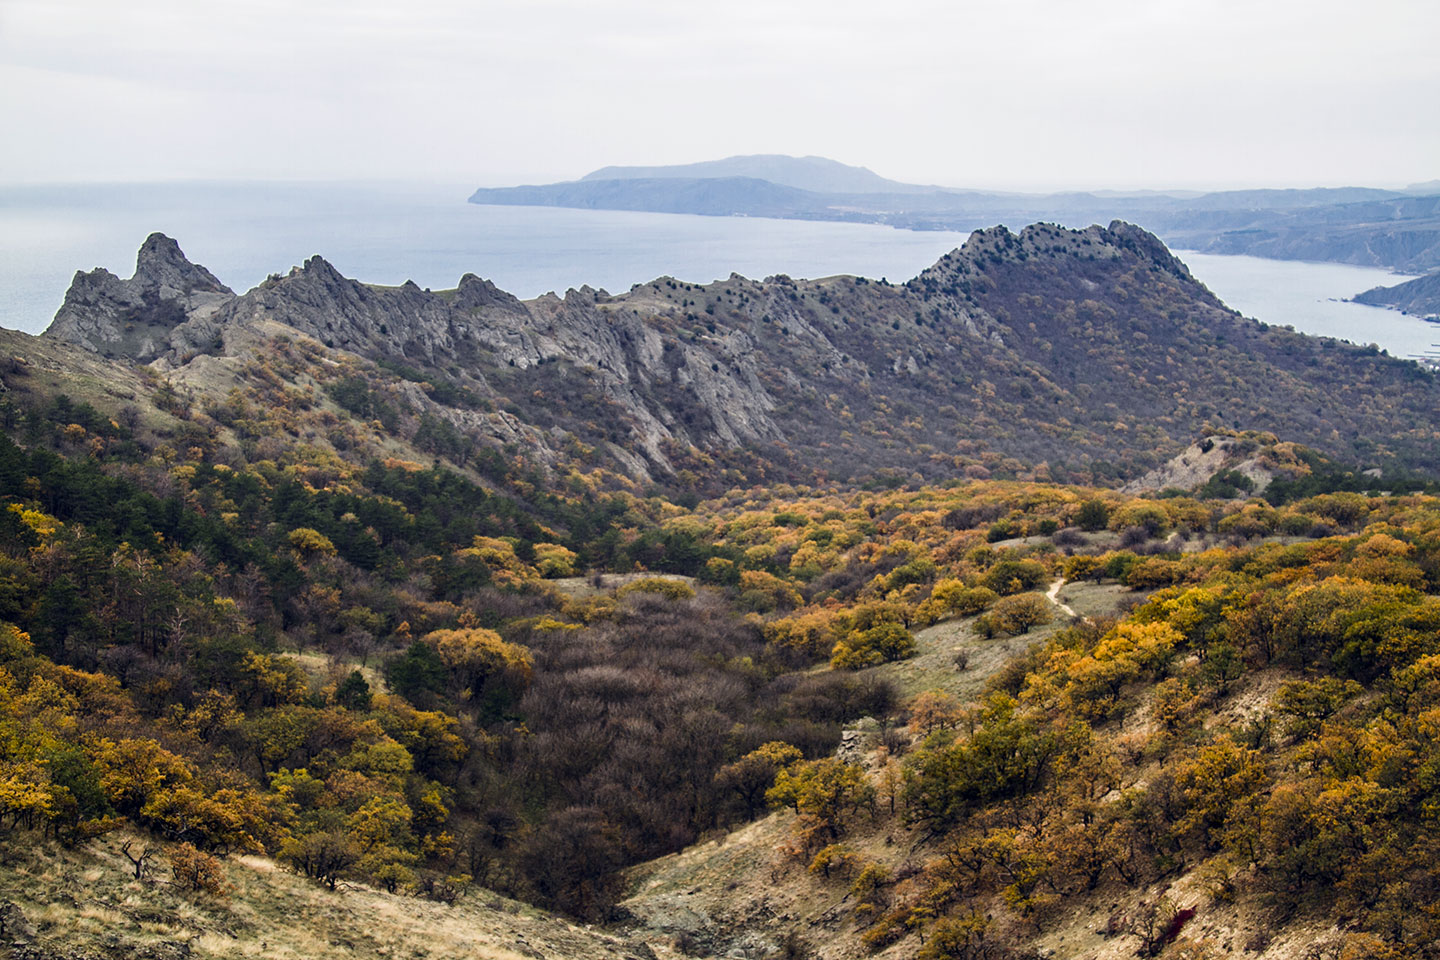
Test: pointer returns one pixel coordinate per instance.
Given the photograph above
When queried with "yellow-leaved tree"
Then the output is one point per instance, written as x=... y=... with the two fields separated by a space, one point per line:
x=484 y=671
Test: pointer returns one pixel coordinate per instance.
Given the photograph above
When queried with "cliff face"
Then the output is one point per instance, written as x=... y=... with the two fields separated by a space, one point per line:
x=134 y=318
x=1051 y=348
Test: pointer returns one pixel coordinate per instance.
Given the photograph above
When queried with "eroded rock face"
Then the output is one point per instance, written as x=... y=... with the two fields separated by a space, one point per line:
x=398 y=322
x=1051 y=347
x=1203 y=459
x=135 y=318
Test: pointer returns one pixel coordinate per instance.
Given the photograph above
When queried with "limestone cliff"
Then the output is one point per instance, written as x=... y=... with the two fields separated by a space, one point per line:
x=135 y=318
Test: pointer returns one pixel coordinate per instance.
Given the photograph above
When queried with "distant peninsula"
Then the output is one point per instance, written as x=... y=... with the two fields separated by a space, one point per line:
x=1393 y=229
x=1419 y=297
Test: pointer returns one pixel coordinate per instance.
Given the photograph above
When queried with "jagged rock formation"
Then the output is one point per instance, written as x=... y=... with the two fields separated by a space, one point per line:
x=135 y=318
x=1051 y=348
x=316 y=300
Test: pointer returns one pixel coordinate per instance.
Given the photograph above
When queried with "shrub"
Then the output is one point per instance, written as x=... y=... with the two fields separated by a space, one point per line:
x=827 y=790
x=867 y=648
x=322 y=856
x=1014 y=576
x=666 y=587
x=197 y=871
x=1019 y=613
x=1093 y=515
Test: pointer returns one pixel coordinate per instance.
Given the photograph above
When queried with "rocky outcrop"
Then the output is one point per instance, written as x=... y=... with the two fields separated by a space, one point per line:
x=13 y=924
x=135 y=318
x=1195 y=465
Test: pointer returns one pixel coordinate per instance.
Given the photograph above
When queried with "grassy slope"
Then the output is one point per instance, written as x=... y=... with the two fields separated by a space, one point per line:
x=85 y=901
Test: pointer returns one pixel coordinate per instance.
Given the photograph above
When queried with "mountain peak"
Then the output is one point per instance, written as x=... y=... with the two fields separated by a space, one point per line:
x=318 y=267
x=159 y=248
x=136 y=318
x=475 y=293
x=162 y=266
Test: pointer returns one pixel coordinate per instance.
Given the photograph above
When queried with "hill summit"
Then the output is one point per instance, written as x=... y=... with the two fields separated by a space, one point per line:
x=1358 y=225
x=804 y=173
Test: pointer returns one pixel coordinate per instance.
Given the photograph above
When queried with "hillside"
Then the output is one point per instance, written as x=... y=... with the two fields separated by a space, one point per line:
x=342 y=701
x=1049 y=353
x=84 y=903
x=705 y=196
x=1401 y=233
x=1419 y=297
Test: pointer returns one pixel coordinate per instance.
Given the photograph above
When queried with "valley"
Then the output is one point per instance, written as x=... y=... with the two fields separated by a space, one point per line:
x=428 y=549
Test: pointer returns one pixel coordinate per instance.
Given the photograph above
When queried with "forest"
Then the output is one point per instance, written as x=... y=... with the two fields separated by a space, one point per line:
x=429 y=682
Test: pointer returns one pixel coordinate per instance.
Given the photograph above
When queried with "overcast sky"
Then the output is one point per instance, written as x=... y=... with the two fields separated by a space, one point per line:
x=1020 y=94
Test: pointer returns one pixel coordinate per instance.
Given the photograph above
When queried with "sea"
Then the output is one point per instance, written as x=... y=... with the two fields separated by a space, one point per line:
x=389 y=232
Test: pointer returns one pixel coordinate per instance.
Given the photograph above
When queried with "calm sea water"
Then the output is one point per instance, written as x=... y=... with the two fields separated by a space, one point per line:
x=1310 y=298
x=389 y=233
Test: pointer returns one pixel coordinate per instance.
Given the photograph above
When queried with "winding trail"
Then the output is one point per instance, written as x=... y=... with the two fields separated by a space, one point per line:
x=1053 y=595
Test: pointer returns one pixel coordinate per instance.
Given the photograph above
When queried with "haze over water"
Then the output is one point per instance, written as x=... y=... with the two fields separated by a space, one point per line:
x=388 y=233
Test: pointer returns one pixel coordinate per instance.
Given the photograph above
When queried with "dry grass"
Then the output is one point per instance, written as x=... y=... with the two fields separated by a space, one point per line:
x=1100 y=599
x=934 y=665
x=87 y=900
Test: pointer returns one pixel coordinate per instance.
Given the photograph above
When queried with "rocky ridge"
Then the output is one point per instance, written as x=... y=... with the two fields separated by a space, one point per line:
x=1048 y=348
x=135 y=318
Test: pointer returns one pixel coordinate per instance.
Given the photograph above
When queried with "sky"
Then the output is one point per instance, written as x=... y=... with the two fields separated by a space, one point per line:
x=1020 y=94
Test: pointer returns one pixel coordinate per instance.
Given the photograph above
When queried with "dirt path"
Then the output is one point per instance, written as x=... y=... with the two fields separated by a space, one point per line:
x=1053 y=595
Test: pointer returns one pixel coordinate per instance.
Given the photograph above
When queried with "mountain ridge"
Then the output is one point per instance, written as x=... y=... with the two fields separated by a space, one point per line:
x=355 y=582
x=972 y=365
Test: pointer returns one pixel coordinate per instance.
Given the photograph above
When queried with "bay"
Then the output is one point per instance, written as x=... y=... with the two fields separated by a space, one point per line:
x=1311 y=298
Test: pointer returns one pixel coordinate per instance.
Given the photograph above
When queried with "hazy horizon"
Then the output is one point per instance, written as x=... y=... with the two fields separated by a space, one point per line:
x=464 y=187
x=1034 y=96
